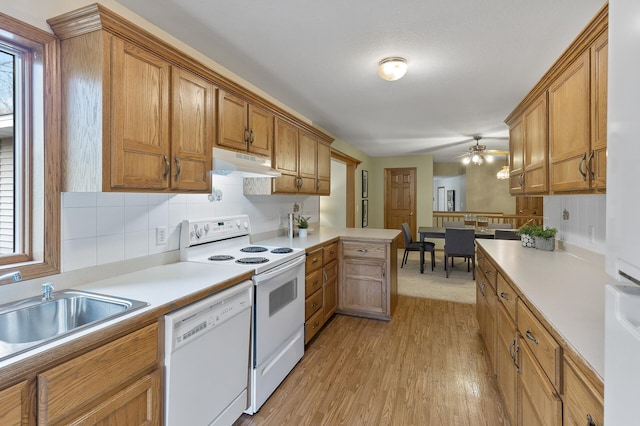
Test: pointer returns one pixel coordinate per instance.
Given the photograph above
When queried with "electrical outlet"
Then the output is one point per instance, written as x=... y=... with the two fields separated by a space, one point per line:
x=161 y=235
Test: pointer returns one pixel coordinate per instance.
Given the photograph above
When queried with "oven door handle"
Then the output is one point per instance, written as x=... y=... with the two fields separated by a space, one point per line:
x=279 y=269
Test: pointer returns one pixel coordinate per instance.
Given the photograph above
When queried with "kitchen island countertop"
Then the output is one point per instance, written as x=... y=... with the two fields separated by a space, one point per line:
x=322 y=235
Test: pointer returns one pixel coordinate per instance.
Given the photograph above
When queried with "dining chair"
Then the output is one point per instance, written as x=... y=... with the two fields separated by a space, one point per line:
x=502 y=234
x=500 y=226
x=460 y=243
x=454 y=224
x=410 y=245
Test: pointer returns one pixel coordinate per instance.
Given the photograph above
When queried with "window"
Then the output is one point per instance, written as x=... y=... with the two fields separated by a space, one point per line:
x=29 y=150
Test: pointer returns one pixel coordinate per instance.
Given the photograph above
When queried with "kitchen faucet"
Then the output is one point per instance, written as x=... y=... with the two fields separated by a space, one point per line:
x=15 y=276
x=47 y=289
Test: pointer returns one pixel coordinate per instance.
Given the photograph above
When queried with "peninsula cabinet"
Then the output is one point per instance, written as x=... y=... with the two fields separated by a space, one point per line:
x=243 y=126
x=115 y=384
x=14 y=405
x=368 y=285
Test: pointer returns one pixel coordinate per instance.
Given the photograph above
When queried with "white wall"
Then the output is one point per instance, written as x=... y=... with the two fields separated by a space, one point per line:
x=100 y=228
x=456 y=183
x=333 y=208
x=586 y=223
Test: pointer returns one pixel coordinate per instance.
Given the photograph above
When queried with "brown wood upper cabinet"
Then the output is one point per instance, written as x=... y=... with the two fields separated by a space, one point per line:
x=303 y=159
x=244 y=126
x=558 y=133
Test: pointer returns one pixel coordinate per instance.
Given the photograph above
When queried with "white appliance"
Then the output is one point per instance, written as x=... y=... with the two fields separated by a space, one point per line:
x=622 y=346
x=207 y=356
x=278 y=277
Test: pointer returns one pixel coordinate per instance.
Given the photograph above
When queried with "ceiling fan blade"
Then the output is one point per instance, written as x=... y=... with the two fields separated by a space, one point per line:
x=497 y=152
x=448 y=145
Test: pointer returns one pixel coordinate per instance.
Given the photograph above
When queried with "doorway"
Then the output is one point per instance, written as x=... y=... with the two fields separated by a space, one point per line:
x=442 y=203
x=400 y=198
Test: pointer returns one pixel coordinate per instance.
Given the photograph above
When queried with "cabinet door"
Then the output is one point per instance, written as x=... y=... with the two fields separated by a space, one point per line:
x=139 y=118
x=582 y=403
x=569 y=115
x=363 y=286
x=308 y=165
x=599 y=74
x=535 y=146
x=233 y=127
x=506 y=373
x=285 y=157
x=516 y=154
x=324 y=169
x=192 y=130
x=260 y=131
x=14 y=405
x=538 y=403
x=330 y=289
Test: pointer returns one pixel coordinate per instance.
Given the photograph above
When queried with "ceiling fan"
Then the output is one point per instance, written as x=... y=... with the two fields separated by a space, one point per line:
x=479 y=154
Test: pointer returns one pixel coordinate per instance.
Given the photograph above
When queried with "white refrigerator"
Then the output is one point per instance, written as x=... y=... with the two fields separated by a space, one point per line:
x=622 y=303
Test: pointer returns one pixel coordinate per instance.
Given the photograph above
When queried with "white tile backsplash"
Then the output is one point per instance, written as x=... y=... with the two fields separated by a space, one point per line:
x=586 y=225
x=100 y=228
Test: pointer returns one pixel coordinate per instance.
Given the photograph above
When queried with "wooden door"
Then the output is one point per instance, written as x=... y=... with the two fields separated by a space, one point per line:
x=599 y=74
x=516 y=155
x=140 y=157
x=569 y=138
x=400 y=199
x=233 y=127
x=536 y=147
x=260 y=131
x=192 y=131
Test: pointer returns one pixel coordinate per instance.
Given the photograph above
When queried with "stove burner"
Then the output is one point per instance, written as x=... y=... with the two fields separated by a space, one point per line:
x=252 y=260
x=253 y=249
x=221 y=257
x=282 y=250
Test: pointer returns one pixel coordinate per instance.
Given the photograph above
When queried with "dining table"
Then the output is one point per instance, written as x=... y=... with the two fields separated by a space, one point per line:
x=438 y=232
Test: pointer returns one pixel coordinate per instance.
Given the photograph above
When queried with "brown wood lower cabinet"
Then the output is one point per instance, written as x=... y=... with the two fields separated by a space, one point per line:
x=14 y=405
x=583 y=403
x=115 y=384
x=506 y=369
x=321 y=289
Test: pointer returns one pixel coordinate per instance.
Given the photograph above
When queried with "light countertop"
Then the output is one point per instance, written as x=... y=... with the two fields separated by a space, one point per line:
x=321 y=235
x=567 y=289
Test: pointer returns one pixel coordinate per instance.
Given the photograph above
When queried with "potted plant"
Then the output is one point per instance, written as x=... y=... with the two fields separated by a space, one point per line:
x=527 y=233
x=303 y=225
x=545 y=238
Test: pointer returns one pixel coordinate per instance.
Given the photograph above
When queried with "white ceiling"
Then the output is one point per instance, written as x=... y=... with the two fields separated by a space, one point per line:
x=470 y=61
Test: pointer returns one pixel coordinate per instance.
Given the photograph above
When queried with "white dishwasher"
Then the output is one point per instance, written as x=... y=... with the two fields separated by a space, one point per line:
x=207 y=356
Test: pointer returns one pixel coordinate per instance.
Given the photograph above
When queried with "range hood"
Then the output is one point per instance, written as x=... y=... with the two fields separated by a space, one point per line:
x=226 y=162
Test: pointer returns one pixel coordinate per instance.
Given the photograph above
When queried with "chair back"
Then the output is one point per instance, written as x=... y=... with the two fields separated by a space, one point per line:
x=454 y=224
x=500 y=226
x=506 y=235
x=406 y=234
x=459 y=241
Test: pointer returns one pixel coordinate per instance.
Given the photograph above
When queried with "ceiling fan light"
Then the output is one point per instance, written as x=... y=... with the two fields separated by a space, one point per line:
x=392 y=69
x=475 y=158
x=489 y=158
x=466 y=160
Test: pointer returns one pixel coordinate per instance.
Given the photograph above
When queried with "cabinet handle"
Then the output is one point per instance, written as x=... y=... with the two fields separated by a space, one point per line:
x=487 y=272
x=482 y=285
x=521 y=179
x=315 y=283
x=504 y=295
x=511 y=353
x=246 y=135
x=324 y=277
x=584 y=159
x=590 y=421
x=530 y=337
x=178 y=168
x=363 y=250
x=166 y=167
x=252 y=136
x=315 y=260
x=317 y=184
x=591 y=173
x=384 y=271
x=515 y=358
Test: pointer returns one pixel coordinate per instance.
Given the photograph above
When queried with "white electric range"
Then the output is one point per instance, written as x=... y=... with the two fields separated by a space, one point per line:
x=278 y=320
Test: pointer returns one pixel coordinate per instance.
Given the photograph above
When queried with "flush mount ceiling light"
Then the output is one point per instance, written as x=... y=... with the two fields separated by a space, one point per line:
x=392 y=69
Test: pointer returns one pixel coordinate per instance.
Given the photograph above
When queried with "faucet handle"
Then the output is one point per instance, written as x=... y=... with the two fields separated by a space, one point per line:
x=47 y=289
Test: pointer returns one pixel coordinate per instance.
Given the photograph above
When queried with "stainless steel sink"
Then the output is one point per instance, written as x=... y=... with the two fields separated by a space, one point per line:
x=36 y=321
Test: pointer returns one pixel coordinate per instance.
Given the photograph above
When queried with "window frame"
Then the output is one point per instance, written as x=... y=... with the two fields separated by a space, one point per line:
x=47 y=262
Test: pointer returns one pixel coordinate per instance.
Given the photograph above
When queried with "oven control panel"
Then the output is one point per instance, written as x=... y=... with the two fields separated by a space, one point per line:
x=210 y=230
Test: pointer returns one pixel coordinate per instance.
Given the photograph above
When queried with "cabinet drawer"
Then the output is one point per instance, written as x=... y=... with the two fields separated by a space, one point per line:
x=582 y=402
x=312 y=326
x=314 y=261
x=331 y=271
x=330 y=253
x=313 y=282
x=89 y=377
x=364 y=250
x=539 y=402
x=312 y=304
x=507 y=296
x=490 y=272
x=544 y=347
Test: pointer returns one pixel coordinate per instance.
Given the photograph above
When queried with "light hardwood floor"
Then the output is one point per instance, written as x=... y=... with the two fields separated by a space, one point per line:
x=424 y=367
